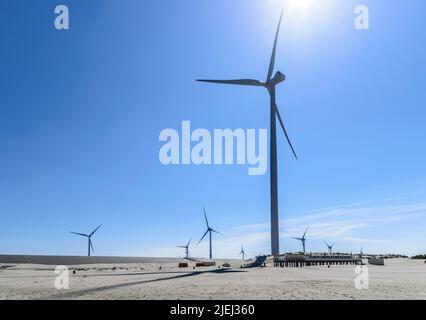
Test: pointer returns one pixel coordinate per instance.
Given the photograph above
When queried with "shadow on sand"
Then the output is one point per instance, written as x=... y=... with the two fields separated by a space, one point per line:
x=121 y=285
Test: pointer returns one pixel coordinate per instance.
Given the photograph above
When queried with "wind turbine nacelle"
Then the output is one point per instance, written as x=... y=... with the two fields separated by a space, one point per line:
x=278 y=78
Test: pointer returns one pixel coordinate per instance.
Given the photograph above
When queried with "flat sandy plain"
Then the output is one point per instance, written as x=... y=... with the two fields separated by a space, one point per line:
x=398 y=279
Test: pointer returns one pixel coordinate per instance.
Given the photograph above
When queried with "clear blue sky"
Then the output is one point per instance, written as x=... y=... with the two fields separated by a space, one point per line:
x=81 y=111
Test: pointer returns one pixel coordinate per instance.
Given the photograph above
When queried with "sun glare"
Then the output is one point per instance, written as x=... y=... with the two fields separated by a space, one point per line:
x=303 y=14
x=301 y=4
x=299 y=8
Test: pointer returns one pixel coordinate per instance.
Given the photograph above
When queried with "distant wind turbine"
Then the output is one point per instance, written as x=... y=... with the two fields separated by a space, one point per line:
x=89 y=238
x=303 y=240
x=209 y=230
x=330 y=247
x=186 y=249
x=242 y=252
x=270 y=84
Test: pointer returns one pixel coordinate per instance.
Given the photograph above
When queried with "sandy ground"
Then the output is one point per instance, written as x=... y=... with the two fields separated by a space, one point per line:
x=398 y=279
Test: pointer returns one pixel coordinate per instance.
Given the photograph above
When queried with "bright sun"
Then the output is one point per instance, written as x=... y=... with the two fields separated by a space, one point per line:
x=301 y=4
x=299 y=7
x=296 y=5
x=302 y=12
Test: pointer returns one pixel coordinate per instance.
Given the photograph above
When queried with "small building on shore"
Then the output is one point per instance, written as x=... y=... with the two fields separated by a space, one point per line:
x=306 y=260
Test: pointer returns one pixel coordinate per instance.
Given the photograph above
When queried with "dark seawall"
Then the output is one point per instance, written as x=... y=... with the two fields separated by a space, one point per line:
x=76 y=260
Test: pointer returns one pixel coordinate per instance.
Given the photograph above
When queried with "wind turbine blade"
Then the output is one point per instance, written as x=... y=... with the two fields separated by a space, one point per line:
x=80 y=234
x=205 y=216
x=297 y=239
x=95 y=230
x=285 y=131
x=91 y=246
x=202 y=238
x=181 y=247
x=189 y=242
x=305 y=233
x=274 y=50
x=217 y=232
x=240 y=82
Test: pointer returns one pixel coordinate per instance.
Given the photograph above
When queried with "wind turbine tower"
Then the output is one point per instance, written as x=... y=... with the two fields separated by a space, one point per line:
x=270 y=84
x=209 y=231
x=330 y=247
x=89 y=240
x=303 y=240
x=186 y=249
x=242 y=252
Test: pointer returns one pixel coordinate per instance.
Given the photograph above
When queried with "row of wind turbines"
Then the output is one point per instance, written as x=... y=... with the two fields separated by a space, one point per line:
x=208 y=231
x=242 y=252
x=303 y=241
